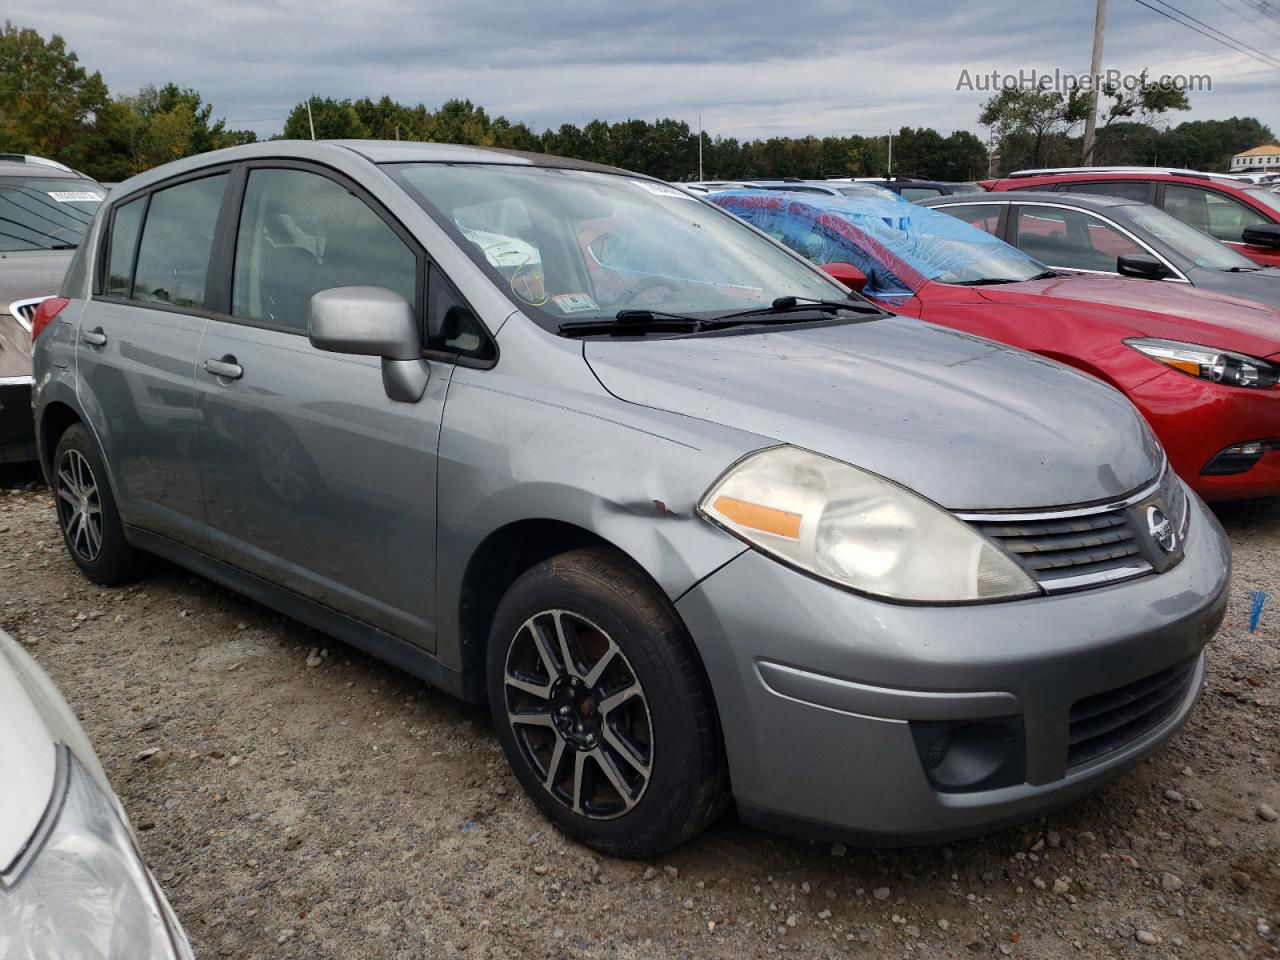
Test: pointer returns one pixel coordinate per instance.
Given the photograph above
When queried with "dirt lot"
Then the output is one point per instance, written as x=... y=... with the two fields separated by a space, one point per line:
x=297 y=799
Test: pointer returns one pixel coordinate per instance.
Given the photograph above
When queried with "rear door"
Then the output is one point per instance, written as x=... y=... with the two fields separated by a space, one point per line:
x=136 y=352
x=313 y=478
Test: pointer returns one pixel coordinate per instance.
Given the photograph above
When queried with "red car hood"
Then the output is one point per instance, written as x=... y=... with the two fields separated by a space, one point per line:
x=1156 y=308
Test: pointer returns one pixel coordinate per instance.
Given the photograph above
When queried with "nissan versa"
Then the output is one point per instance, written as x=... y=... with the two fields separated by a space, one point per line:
x=696 y=522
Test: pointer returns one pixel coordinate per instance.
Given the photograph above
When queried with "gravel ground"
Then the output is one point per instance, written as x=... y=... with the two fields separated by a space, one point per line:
x=298 y=799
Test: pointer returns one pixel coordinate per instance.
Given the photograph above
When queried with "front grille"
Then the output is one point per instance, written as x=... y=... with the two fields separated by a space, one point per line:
x=1098 y=545
x=1107 y=721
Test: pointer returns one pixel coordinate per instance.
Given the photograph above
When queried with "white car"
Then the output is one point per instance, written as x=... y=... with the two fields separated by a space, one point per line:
x=72 y=884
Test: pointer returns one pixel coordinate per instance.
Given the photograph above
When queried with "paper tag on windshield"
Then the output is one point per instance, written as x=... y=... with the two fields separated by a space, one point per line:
x=74 y=196
x=661 y=189
x=575 y=302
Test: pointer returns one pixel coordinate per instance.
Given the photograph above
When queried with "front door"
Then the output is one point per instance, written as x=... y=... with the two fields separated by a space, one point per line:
x=313 y=478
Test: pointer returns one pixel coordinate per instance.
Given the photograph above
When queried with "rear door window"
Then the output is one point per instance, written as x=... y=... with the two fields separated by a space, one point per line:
x=1216 y=214
x=177 y=239
x=984 y=216
x=1071 y=238
x=301 y=233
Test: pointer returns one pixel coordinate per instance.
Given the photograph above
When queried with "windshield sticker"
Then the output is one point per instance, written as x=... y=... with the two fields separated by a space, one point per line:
x=75 y=196
x=662 y=190
x=575 y=302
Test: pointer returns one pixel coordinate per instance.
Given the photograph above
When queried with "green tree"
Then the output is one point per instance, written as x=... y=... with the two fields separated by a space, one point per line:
x=47 y=99
x=1027 y=119
x=333 y=119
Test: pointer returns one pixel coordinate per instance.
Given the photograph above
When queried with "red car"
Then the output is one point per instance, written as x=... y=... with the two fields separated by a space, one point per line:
x=1244 y=215
x=1203 y=367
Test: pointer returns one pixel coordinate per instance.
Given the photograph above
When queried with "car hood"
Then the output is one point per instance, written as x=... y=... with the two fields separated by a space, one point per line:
x=1158 y=308
x=968 y=423
x=34 y=719
x=1260 y=286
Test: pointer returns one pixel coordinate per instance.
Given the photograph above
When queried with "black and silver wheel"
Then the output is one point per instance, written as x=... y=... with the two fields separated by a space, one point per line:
x=87 y=513
x=579 y=714
x=601 y=706
x=79 y=506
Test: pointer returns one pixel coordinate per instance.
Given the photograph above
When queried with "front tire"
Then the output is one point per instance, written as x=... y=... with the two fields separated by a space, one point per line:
x=87 y=513
x=600 y=704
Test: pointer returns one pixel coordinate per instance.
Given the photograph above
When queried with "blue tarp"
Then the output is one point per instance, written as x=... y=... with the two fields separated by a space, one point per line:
x=899 y=246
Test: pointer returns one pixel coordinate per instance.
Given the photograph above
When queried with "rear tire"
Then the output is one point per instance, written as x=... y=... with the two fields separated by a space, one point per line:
x=601 y=706
x=87 y=514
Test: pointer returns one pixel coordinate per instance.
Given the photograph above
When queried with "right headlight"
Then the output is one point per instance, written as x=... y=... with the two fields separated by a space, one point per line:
x=1206 y=363
x=859 y=530
x=84 y=891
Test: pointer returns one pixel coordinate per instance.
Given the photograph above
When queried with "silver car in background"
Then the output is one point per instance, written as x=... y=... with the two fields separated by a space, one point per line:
x=45 y=208
x=72 y=884
x=698 y=523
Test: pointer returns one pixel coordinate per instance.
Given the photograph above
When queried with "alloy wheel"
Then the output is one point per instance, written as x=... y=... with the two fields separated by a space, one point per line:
x=79 y=506
x=579 y=714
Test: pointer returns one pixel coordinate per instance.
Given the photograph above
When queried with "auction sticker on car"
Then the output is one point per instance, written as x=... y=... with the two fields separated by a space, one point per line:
x=575 y=302
x=661 y=189
x=75 y=196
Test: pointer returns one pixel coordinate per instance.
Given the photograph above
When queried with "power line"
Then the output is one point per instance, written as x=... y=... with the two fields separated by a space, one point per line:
x=1249 y=20
x=1225 y=43
x=1261 y=53
x=1263 y=7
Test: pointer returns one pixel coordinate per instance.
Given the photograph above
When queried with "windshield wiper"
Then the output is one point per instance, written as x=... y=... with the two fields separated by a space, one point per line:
x=1243 y=269
x=627 y=323
x=786 y=305
x=993 y=281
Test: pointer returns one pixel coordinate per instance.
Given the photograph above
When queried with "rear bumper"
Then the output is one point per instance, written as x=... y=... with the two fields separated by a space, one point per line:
x=17 y=431
x=1196 y=420
x=822 y=694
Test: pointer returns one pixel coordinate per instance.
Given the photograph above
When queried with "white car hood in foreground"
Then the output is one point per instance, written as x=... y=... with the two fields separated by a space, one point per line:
x=34 y=719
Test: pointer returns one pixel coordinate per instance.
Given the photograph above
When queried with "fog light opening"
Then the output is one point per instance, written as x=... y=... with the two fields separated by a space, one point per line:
x=971 y=755
x=1238 y=458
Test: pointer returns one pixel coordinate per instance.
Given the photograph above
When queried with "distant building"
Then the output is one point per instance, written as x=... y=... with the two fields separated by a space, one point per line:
x=1263 y=159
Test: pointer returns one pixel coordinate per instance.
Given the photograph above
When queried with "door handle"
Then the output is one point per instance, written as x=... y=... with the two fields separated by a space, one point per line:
x=224 y=369
x=94 y=338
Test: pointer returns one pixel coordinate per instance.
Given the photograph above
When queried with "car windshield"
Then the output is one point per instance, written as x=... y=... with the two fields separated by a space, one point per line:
x=580 y=245
x=45 y=213
x=1200 y=248
x=899 y=246
x=1268 y=198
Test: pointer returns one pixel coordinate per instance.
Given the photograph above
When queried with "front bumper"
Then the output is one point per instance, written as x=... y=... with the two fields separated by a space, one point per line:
x=819 y=689
x=17 y=434
x=1196 y=420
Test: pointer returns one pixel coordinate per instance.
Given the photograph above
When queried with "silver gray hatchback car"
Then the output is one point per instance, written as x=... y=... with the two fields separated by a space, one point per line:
x=695 y=521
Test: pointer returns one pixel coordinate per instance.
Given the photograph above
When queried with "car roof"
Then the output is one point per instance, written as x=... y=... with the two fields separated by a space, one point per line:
x=341 y=152
x=1121 y=173
x=24 y=165
x=1086 y=200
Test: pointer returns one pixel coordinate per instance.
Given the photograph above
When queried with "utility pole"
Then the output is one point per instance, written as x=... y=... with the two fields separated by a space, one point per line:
x=700 y=177
x=1099 y=28
x=890 y=171
x=311 y=123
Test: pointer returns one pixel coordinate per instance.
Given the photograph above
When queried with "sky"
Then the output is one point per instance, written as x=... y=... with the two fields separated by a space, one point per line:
x=807 y=66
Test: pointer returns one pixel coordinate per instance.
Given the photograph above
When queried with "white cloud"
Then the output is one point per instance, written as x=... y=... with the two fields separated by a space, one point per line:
x=817 y=66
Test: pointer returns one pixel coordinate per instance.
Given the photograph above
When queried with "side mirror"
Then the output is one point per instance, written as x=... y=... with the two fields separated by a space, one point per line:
x=1262 y=235
x=372 y=322
x=848 y=274
x=1141 y=265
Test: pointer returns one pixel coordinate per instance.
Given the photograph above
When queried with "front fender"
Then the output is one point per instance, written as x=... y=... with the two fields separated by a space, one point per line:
x=508 y=457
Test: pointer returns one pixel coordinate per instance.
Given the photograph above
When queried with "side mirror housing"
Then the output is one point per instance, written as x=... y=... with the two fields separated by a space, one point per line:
x=848 y=274
x=1262 y=235
x=1141 y=265
x=372 y=322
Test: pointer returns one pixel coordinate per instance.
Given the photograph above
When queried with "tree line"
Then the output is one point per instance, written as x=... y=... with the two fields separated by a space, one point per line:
x=52 y=106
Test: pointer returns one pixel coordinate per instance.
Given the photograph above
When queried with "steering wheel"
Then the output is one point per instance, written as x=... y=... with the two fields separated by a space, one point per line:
x=648 y=283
